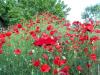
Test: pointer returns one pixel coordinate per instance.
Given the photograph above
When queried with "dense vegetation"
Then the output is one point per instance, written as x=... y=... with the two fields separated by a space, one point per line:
x=42 y=42
x=48 y=45
x=11 y=11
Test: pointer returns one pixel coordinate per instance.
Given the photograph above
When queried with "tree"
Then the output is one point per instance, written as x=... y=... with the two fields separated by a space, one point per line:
x=92 y=12
x=13 y=10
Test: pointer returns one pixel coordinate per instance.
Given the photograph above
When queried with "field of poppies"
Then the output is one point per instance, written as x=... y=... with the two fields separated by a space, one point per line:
x=49 y=45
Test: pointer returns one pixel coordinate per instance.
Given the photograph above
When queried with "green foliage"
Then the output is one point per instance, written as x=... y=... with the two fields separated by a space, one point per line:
x=92 y=11
x=14 y=10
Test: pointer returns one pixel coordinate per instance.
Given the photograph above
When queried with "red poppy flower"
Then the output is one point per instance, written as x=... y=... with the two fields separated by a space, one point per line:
x=65 y=69
x=23 y=29
x=50 y=48
x=37 y=29
x=67 y=42
x=39 y=42
x=86 y=37
x=72 y=38
x=81 y=38
x=19 y=25
x=63 y=72
x=69 y=35
x=37 y=21
x=58 y=61
x=1 y=51
x=50 y=41
x=88 y=65
x=62 y=62
x=8 y=34
x=36 y=63
x=16 y=30
x=1 y=45
x=76 y=23
x=45 y=41
x=32 y=32
x=17 y=51
x=94 y=38
x=45 y=68
x=86 y=50
x=89 y=27
x=55 y=71
x=2 y=40
x=58 y=46
x=67 y=24
x=97 y=31
x=93 y=57
x=79 y=68
x=52 y=32
x=49 y=27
